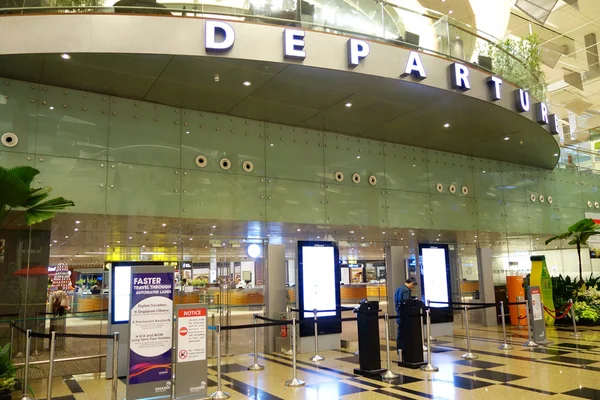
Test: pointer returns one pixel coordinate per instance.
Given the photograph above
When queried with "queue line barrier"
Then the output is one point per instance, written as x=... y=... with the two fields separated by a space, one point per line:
x=29 y=334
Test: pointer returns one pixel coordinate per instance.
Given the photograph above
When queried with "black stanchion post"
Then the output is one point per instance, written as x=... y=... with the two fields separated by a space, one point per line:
x=389 y=374
x=431 y=338
x=429 y=367
x=115 y=366
x=468 y=355
x=256 y=366
x=575 y=334
x=294 y=382
x=503 y=346
x=529 y=342
x=26 y=372
x=219 y=394
x=316 y=357
x=51 y=365
x=212 y=337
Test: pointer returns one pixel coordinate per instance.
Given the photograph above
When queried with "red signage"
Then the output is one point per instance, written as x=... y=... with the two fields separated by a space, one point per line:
x=183 y=331
x=195 y=312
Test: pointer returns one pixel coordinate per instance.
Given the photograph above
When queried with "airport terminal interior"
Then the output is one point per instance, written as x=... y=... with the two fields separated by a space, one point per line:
x=299 y=199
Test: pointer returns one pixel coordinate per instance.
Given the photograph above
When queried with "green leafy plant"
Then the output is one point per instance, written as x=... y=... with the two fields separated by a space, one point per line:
x=16 y=193
x=578 y=234
x=519 y=61
x=198 y=282
x=563 y=290
x=8 y=372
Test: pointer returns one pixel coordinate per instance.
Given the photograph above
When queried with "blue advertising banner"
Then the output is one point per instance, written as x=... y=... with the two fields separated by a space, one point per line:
x=151 y=333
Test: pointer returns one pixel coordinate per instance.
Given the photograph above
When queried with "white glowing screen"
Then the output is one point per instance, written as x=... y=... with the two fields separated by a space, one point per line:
x=435 y=278
x=121 y=294
x=318 y=274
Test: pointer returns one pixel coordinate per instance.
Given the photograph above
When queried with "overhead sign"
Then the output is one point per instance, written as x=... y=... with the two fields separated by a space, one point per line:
x=151 y=333
x=220 y=38
x=191 y=363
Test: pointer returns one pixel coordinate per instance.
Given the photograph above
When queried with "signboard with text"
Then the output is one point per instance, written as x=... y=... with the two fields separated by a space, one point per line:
x=191 y=364
x=151 y=333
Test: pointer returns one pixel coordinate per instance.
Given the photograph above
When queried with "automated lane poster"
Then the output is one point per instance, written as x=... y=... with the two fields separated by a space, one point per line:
x=151 y=333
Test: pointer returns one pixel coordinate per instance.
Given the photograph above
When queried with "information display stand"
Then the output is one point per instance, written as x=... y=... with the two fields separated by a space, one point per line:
x=369 y=352
x=410 y=327
x=536 y=316
x=190 y=350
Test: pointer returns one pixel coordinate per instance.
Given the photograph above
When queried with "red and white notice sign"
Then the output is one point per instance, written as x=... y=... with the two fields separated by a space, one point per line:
x=191 y=335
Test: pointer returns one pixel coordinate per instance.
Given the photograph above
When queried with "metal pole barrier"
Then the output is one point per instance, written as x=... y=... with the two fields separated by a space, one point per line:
x=26 y=371
x=468 y=355
x=316 y=357
x=51 y=365
x=423 y=335
x=256 y=366
x=529 y=342
x=431 y=338
x=503 y=346
x=289 y=351
x=115 y=366
x=388 y=375
x=294 y=382
x=219 y=394
x=212 y=337
x=430 y=367
x=12 y=338
x=228 y=332
x=575 y=334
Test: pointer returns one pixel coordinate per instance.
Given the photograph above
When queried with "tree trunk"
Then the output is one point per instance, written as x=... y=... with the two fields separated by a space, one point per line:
x=579 y=257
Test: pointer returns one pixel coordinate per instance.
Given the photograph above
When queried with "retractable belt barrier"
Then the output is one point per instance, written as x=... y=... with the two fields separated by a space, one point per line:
x=51 y=361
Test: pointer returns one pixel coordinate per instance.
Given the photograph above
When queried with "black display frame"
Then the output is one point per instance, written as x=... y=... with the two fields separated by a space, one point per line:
x=438 y=314
x=329 y=324
x=130 y=264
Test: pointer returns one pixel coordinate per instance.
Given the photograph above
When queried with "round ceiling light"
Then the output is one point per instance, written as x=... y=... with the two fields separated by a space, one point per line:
x=253 y=250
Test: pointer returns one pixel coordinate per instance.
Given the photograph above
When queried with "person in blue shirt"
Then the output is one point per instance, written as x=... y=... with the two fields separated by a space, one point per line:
x=403 y=293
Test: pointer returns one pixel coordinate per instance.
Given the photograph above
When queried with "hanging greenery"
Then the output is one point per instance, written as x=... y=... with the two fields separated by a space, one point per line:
x=518 y=61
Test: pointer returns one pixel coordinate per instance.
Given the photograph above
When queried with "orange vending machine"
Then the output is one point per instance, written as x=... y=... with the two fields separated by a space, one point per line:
x=516 y=293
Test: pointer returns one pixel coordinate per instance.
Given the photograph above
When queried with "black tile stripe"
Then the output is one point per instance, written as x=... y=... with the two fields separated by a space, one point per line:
x=393 y=394
x=319 y=367
x=68 y=397
x=289 y=364
x=512 y=385
x=417 y=393
x=367 y=383
x=72 y=384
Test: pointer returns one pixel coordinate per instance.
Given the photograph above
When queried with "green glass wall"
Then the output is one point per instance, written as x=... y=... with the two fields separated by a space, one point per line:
x=124 y=157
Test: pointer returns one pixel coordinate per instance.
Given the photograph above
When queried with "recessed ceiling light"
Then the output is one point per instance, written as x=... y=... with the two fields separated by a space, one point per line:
x=357 y=156
x=52 y=108
x=318 y=237
x=506 y=138
x=348 y=105
x=145 y=246
x=383 y=233
x=174 y=242
x=55 y=241
x=130 y=238
x=118 y=241
x=450 y=12
x=77 y=222
x=164 y=224
x=66 y=237
x=352 y=232
x=210 y=234
x=187 y=132
x=298 y=229
x=271 y=144
x=458 y=37
x=247 y=83
x=446 y=125
x=555 y=154
x=76 y=229
x=191 y=238
x=145 y=232
x=65 y=56
x=214 y=226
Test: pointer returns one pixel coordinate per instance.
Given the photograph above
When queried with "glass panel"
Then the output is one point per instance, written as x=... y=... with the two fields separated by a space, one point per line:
x=406 y=168
x=356 y=206
x=490 y=215
x=452 y=212
x=542 y=218
x=82 y=181
x=568 y=189
x=144 y=133
x=294 y=153
x=9 y=159
x=408 y=210
x=487 y=178
x=538 y=183
x=512 y=183
x=568 y=216
x=222 y=136
x=449 y=169
x=143 y=190
x=350 y=155
x=295 y=201
x=72 y=124
x=221 y=196
x=19 y=114
x=516 y=218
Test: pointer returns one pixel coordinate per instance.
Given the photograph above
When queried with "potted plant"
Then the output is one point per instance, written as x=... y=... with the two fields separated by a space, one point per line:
x=8 y=374
x=578 y=234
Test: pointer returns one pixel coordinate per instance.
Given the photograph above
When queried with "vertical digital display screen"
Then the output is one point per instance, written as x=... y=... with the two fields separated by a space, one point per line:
x=435 y=275
x=318 y=276
x=121 y=292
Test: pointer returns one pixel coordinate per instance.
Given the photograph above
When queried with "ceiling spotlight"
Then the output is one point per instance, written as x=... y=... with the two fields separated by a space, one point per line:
x=210 y=234
x=66 y=237
x=191 y=239
x=214 y=226
x=446 y=125
x=174 y=242
x=164 y=224
x=352 y=232
x=458 y=37
x=247 y=83
x=65 y=56
x=217 y=78
x=52 y=108
x=450 y=12
x=383 y=233
x=298 y=229
x=118 y=241
x=555 y=154
x=130 y=238
x=77 y=222
x=506 y=138
x=253 y=250
x=76 y=229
